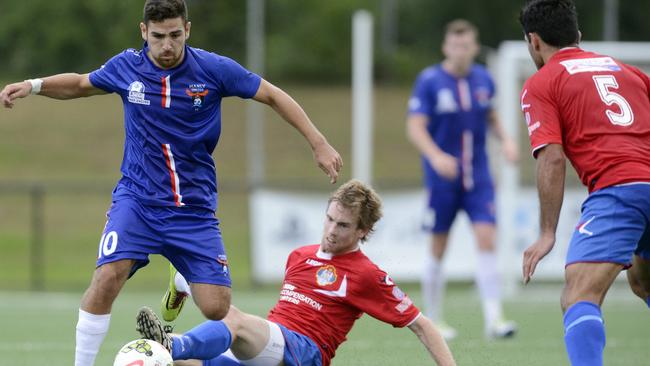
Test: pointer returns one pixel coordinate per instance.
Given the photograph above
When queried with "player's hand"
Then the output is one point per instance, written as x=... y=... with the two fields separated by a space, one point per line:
x=14 y=91
x=445 y=165
x=510 y=150
x=535 y=253
x=328 y=160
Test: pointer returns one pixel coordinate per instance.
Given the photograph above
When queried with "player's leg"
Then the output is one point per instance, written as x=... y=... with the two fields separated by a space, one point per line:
x=443 y=205
x=478 y=203
x=194 y=246
x=638 y=277
x=251 y=339
x=585 y=289
x=121 y=253
x=603 y=243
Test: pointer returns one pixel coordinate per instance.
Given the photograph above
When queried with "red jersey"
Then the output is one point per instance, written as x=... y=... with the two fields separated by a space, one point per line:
x=323 y=295
x=598 y=109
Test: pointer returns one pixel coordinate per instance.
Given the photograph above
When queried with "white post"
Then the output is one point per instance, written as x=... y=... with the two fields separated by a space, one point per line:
x=362 y=119
x=254 y=111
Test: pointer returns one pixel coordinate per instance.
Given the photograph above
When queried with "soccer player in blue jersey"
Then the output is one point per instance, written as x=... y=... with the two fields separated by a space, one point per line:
x=165 y=201
x=449 y=113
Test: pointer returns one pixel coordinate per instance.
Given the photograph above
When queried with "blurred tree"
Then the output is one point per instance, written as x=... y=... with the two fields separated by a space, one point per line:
x=307 y=41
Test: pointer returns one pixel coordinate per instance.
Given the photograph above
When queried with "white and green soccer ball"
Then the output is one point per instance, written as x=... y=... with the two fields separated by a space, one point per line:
x=143 y=352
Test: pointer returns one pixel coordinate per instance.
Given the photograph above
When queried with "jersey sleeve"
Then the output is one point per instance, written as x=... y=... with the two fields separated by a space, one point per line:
x=380 y=298
x=107 y=77
x=643 y=76
x=541 y=115
x=233 y=79
x=422 y=100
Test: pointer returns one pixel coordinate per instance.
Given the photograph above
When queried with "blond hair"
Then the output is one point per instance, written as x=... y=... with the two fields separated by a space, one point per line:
x=356 y=196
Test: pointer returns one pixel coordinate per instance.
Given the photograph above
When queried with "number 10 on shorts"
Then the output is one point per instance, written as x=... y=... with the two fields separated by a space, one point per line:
x=107 y=244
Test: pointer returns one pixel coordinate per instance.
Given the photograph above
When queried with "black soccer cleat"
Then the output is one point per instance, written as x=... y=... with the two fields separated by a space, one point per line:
x=150 y=327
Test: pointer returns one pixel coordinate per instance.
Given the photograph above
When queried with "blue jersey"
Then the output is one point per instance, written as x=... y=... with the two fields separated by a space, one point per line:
x=457 y=109
x=172 y=119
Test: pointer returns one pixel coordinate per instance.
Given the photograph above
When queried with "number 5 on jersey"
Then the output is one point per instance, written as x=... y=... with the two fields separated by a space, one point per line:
x=604 y=84
x=107 y=244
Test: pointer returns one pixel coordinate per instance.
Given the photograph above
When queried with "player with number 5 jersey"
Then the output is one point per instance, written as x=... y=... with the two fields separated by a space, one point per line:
x=166 y=200
x=595 y=111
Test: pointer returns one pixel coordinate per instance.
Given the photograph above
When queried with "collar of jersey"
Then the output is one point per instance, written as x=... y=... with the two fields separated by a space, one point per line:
x=322 y=255
x=145 y=49
x=564 y=51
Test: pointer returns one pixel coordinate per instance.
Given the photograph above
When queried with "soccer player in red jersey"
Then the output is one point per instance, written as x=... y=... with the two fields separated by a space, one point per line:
x=326 y=288
x=595 y=111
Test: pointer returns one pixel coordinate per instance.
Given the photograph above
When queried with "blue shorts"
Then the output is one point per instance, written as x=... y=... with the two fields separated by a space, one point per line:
x=299 y=350
x=445 y=199
x=188 y=237
x=614 y=225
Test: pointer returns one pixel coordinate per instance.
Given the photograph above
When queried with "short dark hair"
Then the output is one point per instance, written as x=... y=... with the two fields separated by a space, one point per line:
x=159 y=10
x=555 y=21
x=459 y=27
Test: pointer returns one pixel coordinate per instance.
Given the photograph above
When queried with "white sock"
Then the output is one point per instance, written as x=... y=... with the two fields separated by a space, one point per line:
x=181 y=284
x=433 y=283
x=91 y=330
x=487 y=280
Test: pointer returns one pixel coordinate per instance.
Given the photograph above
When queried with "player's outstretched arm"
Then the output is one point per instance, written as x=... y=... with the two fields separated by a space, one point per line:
x=551 y=168
x=432 y=340
x=61 y=86
x=324 y=154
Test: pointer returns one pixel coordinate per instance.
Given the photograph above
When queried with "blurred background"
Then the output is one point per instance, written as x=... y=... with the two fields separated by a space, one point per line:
x=60 y=160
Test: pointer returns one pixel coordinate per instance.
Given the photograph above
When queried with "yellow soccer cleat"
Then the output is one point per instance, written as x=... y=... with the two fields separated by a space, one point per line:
x=173 y=301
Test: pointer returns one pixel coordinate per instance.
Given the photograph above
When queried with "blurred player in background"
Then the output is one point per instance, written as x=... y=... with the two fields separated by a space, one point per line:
x=449 y=114
x=595 y=111
x=166 y=200
x=326 y=288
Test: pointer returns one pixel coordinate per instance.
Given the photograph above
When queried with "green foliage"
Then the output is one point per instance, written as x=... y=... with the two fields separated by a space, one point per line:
x=306 y=40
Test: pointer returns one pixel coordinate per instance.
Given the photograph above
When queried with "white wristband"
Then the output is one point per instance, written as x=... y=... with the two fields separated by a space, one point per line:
x=36 y=85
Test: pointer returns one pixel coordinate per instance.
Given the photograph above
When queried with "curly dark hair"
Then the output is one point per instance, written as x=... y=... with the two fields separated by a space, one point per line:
x=159 y=10
x=555 y=21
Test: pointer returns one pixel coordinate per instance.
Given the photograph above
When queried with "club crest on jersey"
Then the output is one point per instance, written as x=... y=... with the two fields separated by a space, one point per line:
x=326 y=275
x=136 y=93
x=197 y=92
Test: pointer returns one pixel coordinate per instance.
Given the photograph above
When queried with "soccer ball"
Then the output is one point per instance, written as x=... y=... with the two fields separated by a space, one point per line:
x=143 y=352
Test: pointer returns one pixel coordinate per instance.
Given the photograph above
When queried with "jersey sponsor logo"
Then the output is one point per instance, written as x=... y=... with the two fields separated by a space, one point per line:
x=595 y=64
x=446 y=102
x=582 y=228
x=289 y=295
x=387 y=280
x=326 y=275
x=137 y=93
x=197 y=92
x=341 y=292
x=314 y=263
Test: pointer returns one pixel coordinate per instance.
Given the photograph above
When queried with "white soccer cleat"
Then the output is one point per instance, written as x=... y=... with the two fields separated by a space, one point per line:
x=501 y=329
x=446 y=331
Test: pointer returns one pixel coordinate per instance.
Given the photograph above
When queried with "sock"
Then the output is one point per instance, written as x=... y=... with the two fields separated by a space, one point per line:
x=648 y=301
x=204 y=342
x=584 y=334
x=487 y=281
x=91 y=330
x=223 y=360
x=181 y=284
x=433 y=283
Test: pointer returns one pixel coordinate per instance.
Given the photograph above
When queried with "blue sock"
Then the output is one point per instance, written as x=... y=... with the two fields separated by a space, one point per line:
x=648 y=301
x=584 y=334
x=204 y=342
x=221 y=361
